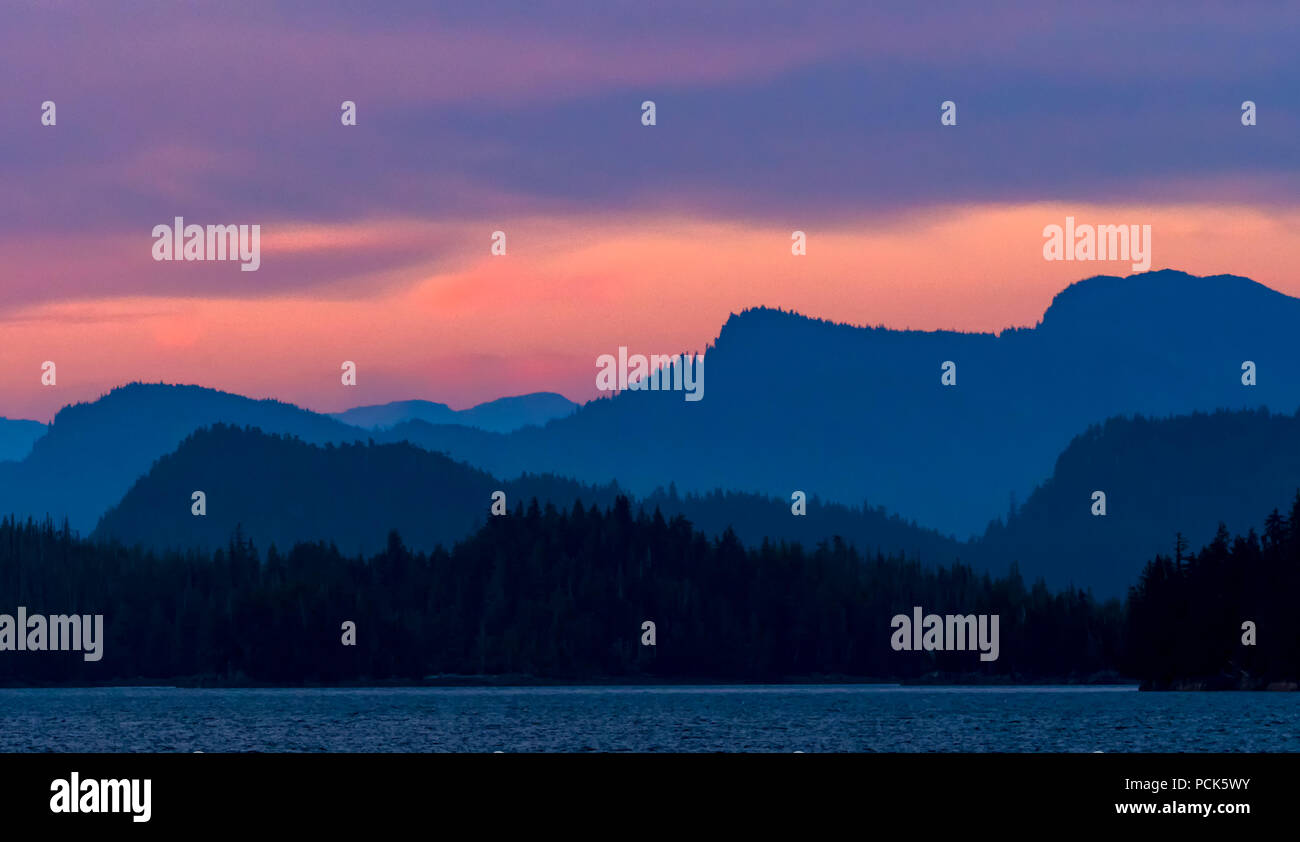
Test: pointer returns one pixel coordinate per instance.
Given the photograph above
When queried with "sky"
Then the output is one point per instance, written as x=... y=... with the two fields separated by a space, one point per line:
x=525 y=117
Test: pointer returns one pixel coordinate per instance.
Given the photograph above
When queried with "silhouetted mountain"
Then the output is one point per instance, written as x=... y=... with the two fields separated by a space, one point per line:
x=1161 y=477
x=94 y=451
x=283 y=490
x=851 y=413
x=17 y=437
x=791 y=403
x=499 y=416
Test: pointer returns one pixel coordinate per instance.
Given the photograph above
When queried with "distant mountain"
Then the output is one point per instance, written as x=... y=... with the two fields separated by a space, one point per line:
x=93 y=452
x=853 y=413
x=382 y=415
x=1160 y=477
x=283 y=490
x=499 y=416
x=17 y=437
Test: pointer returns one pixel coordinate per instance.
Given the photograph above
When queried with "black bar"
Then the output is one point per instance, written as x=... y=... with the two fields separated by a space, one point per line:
x=482 y=795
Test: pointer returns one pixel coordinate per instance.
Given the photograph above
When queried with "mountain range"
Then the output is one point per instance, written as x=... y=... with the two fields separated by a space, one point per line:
x=848 y=415
x=280 y=489
x=503 y=415
x=859 y=413
x=1161 y=477
x=93 y=451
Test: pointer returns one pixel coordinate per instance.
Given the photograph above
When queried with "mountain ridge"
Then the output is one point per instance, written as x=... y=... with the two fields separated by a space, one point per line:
x=282 y=490
x=279 y=489
x=501 y=415
x=792 y=403
x=791 y=400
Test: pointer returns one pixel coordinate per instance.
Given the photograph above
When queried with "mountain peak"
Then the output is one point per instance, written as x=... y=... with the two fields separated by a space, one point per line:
x=1175 y=297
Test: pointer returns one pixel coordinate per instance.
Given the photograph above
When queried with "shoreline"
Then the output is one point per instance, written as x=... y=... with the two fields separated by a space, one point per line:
x=486 y=681
x=947 y=680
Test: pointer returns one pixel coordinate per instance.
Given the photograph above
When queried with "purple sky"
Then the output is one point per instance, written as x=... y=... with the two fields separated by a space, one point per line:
x=771 y=115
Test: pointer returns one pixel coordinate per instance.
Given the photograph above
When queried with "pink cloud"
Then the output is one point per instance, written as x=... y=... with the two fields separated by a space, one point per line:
x=476 y=327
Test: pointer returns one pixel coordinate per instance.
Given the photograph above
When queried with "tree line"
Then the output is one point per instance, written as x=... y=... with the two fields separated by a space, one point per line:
x=565 y=594
x=1224 y=616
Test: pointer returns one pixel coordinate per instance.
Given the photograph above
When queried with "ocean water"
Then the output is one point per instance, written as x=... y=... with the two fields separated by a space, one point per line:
x=856 y=718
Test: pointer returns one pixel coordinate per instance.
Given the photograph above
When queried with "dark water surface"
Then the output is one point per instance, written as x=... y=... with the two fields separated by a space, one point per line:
x=548 y=719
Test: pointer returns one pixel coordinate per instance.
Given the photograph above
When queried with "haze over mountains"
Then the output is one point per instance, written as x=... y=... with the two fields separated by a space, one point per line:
x=281 y=490
x=842 y=413
x=499 y=416
x=94 y=451
x=17 y=437
x=1161 y=477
